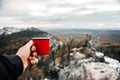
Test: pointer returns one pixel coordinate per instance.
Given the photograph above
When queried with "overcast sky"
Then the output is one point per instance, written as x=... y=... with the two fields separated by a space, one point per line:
x=89 y=14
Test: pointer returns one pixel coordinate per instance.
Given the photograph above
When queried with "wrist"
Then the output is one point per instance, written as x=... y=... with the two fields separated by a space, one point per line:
x=24 y=62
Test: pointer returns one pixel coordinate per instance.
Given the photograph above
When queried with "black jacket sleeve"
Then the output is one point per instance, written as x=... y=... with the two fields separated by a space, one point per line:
x=11 y=67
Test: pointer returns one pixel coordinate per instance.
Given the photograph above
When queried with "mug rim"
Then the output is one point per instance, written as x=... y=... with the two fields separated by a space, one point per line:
x=40 y=38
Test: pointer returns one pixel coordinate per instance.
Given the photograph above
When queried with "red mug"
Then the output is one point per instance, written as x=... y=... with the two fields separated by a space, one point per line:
x=42 y=45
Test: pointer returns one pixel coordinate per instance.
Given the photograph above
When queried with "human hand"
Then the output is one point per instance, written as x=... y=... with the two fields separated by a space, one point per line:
x=25 y=54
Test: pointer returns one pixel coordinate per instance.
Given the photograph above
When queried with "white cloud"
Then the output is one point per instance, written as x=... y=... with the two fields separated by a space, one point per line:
x=118 y=23
x=100 y=24
x=75 y=12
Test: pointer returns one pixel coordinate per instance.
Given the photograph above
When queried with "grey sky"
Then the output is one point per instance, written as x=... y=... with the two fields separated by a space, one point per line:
x=92 y=14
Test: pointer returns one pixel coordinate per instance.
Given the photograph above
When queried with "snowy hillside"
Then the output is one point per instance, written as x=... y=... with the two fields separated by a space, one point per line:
x=9 y=30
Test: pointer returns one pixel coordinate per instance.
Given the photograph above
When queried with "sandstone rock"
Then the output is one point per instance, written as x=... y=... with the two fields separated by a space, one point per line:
x=79 y=56
x=88 y=71
x=99 y=54
x=113 y=63
x=98 y=71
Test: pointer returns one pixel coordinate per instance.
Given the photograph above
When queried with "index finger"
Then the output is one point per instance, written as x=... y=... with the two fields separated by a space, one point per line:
x=33 y=48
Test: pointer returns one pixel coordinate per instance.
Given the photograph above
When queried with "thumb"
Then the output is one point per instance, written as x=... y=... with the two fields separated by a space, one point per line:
x=29 y=44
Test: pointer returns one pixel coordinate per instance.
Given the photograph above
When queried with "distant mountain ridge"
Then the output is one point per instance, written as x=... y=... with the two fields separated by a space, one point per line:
x=10 y=30
x=112 y=34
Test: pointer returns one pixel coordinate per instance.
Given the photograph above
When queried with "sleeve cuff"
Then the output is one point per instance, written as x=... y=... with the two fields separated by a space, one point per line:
x=17 y=64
